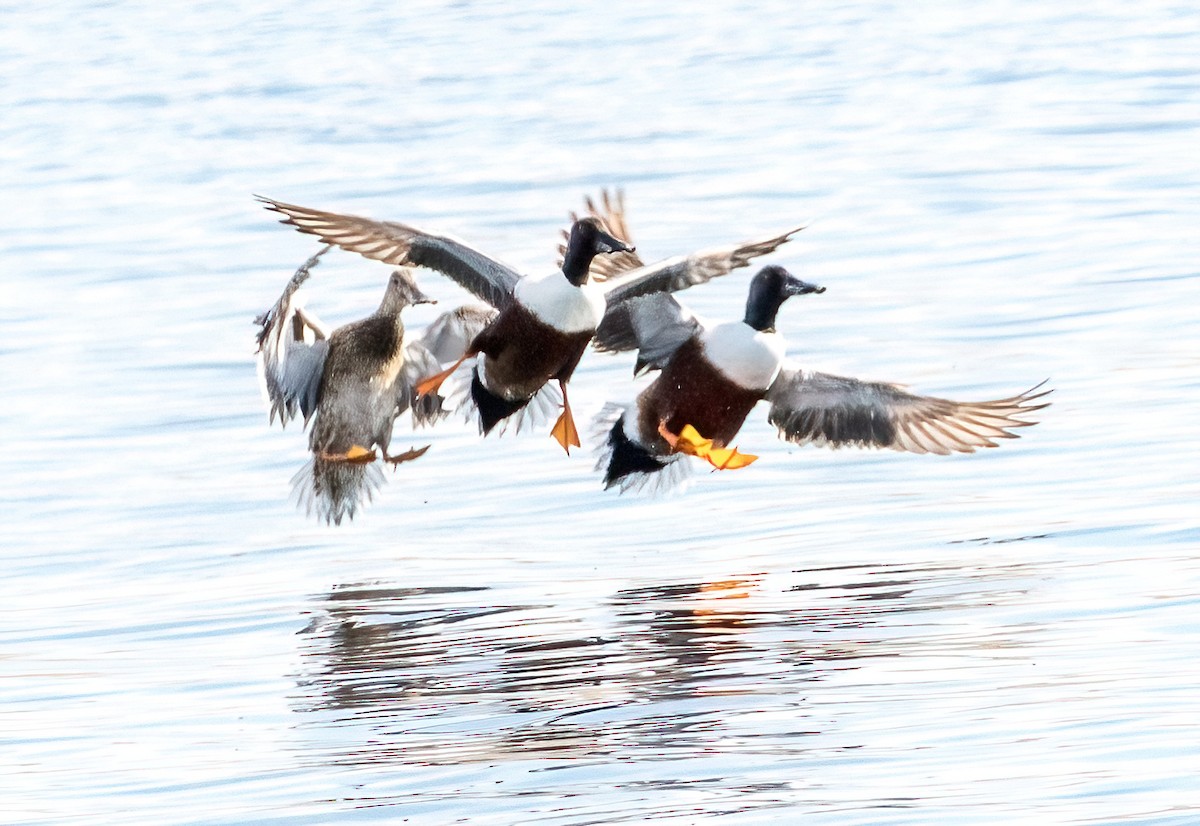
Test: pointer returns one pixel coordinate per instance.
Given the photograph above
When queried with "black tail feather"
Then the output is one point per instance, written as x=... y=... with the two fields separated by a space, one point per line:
x=493 y=409
x=626 y=457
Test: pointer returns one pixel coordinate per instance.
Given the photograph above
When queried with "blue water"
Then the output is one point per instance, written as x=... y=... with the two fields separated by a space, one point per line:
x=994 y=196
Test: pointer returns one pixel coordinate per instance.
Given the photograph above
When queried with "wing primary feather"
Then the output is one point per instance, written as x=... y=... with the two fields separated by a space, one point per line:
x=402 y=245
x=830 y=410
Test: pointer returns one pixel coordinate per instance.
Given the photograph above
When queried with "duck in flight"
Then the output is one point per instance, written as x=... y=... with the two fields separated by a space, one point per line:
x=349 y=384
x=543 y=323
x=712 y=376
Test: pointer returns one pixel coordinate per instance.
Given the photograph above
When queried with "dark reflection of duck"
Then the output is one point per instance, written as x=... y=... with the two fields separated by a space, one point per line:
x=349 y=384
x=447 y=675
x=380 y=652
x=405 y=659
x=544 y=323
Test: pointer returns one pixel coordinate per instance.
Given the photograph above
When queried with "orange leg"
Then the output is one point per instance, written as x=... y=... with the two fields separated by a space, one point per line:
x=564 y=429
x=406 y=456
x=432 y=384
x=672 y=439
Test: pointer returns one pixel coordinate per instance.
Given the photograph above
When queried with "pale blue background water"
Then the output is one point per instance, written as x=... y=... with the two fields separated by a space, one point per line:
x=996 y=195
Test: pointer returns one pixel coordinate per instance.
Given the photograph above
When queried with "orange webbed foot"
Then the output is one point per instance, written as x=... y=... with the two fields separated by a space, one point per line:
x=728 y=458
x=564 y=431
x=690 y=442
x=407 y=456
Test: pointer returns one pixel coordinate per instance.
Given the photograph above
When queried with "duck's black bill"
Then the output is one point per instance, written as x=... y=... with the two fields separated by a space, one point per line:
x=797 y=287
x=609 y=243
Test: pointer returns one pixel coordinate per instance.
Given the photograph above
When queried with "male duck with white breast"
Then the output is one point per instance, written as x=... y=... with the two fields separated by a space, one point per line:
x=712 y=377
x=538 y=336
x=544 y=323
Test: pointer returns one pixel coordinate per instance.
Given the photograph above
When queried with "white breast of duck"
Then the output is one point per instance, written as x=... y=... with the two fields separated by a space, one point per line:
x=747 y=357
x=557 y=302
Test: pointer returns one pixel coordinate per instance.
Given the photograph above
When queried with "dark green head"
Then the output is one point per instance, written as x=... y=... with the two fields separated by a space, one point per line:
x=771 y=287
x=587 y=240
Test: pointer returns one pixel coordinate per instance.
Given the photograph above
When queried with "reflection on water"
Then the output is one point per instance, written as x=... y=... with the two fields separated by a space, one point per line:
x=665 y=669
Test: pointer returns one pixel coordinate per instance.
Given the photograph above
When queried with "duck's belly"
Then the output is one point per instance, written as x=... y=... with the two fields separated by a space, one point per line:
x=523 y=353
x=358 y=387
x=691 y=391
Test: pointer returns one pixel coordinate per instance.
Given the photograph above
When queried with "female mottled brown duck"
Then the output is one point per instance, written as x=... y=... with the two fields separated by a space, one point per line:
x=349 y=384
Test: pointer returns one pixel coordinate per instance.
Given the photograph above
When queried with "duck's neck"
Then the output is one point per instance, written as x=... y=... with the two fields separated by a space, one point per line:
x=576 y=263
x=391 y=305
x=761 y=311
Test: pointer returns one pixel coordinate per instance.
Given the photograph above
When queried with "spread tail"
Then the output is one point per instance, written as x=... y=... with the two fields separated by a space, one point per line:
x=467 y=392
x=492 y=409
x=628 y=465
x=335 y=490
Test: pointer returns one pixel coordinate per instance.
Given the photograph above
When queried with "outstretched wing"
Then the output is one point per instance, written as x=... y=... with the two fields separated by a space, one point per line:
x=679 y=273
x=610 y=212
x=292 y=346
x=835 y=411
x=402 y=245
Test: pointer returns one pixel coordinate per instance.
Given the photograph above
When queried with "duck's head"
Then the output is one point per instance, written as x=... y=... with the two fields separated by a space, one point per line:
x=402 y=291
x=771 y=287
x=587 y=240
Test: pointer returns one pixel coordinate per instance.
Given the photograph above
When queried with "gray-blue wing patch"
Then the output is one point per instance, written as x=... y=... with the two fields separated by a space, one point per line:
x=656 y=325
x=292 y=346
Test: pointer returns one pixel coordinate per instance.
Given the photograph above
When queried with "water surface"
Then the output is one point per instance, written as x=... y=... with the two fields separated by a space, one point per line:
x=994 y=196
